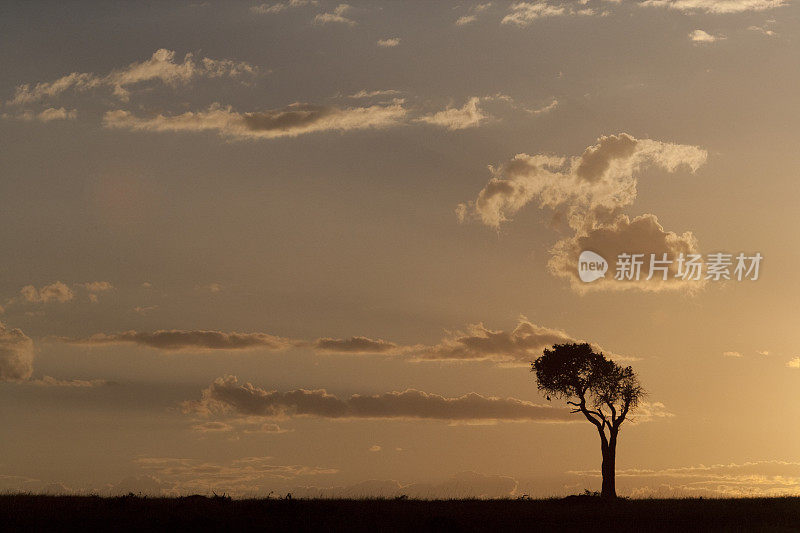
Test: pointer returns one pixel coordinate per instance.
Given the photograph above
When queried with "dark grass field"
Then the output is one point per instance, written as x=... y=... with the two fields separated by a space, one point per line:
x=89 y=513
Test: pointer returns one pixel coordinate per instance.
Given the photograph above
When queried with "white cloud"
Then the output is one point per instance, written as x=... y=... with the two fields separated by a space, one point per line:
x=472 y=14
x=296 y=119
x=363 y=93
x=337 y=16
x=55 y=292
x=715 y=6
x=269 y=9
x=523 y=14
x=764 y=30
x=452 y=118
x=702 y=37
x=160 y=67
x=389 y=43
x=731 y=354
x=794 y=362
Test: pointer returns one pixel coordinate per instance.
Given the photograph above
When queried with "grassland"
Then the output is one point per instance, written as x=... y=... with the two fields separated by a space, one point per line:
x=90 y=513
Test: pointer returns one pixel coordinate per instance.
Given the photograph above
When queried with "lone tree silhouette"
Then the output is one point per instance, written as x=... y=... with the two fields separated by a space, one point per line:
x=600 y=389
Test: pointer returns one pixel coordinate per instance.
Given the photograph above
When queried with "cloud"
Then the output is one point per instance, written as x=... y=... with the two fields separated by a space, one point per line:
x=468 y=116
x=715 y=6
x=522 y=344
x=16 y=354
x=794 y=362
x=48 y=381
x=269 y=9
x=55 y=292
x=95 y=288
x=363 y=93
x=161 y=66
x=640 y=235
x=239 y=477
x=592 y=186
x=296 y=119
x=16 y=362
x=98 y=286
x=750 y=479
x=337 y=16
x=472 y=14
x=588 y=192
x=648 y=411
x=702 y=37
x=189 y=340
x=764 y=30
x=375 y=448
x=731 y=354
x=389 y=43
x=228 y=396
x=354 y=345
x=211 y=287
x=523 y=14
x=463 y=485
x=47 y=115
x=544 y=109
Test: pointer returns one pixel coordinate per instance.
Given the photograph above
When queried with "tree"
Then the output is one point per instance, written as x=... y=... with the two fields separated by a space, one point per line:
x=604 y=392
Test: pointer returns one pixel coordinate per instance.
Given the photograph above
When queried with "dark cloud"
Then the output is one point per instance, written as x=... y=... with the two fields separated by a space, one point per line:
x=174 y=340
x=228 y=395
x=354 y=345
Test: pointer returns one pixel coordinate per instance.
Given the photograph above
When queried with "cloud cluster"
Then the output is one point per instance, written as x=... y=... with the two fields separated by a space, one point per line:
x=160 y=67
x=55 y=292
x=523 y=14
x=715 y=6
x=239 y=477
x=337 y=16
x=227 y=395
x=751 y=479
x=452 y=118
x=16 y=354
x=703 y=37
x=296 y=119
x=46 y=115
x=389 y=43
x=194 y=340
x=516 y=346
x=520 y=345
x=589 y=191
x=279 y=7
x=472 y=14
x=61 y=292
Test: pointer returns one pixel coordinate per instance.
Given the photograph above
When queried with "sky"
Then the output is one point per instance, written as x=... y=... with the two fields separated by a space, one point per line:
x=312 y=247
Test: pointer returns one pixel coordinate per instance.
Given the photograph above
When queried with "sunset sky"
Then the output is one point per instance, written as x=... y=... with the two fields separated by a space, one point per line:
x=311 y=246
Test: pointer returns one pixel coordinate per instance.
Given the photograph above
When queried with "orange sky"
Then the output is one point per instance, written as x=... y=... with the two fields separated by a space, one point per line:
x=314 y=246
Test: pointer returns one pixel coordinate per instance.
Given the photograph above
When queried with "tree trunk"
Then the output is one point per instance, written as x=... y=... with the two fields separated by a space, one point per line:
x=609 y=467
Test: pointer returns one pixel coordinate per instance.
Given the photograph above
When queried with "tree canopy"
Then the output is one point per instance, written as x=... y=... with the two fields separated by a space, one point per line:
x=602 y=390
